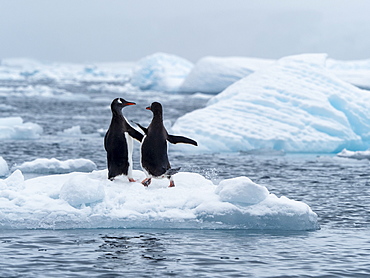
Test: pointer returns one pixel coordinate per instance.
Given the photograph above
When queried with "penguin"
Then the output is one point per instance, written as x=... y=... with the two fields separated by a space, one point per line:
x=118 y=142
x=154 y=158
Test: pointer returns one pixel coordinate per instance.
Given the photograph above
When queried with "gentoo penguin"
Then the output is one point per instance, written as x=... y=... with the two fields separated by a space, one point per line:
x=154 y=159
x=118 y=142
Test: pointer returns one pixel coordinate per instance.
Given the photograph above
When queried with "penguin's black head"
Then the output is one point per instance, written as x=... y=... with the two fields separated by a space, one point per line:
x=156 y=108
x=119 y=103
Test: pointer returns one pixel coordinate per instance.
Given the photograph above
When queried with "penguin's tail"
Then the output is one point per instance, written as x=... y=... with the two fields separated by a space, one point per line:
x=172 y=171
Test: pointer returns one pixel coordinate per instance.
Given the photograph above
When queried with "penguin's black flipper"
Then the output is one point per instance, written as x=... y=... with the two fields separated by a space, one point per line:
x=181 y=139
x=135 y=134
x=172 y=171
x=142 y=128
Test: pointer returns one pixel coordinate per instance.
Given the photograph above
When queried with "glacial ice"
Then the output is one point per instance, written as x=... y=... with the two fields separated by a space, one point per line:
x=55 y=166
x=160 y=72
x=14 y=128
x=294 y=105
x=90 y=200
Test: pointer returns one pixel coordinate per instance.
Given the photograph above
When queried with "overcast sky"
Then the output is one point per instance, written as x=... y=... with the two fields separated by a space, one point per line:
x=127 y=30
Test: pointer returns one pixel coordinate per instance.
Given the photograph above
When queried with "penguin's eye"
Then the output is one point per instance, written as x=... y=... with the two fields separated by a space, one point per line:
x=119 y=100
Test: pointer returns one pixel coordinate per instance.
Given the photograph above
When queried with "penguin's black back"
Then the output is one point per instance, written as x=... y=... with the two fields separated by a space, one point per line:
x=154 y=158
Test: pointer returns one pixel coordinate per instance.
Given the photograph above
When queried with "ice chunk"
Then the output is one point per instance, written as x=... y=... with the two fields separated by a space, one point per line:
x=241 y=190
x=74 y=131
x=4 y=169
x=295 y=105
x=214 y=74
x=160 y=72
x=81 y=189
x=55 y=166
x=355 y=155
x=90 y=200
x=14 y=128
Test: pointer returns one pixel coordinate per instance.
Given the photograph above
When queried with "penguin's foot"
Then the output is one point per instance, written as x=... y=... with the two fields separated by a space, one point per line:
x=172 y=184
x=111 y=178
x=146 y=182
x=131 y=180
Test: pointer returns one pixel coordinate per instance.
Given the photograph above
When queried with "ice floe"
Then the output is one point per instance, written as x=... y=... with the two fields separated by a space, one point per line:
x=90 y=200
x=55 y=166
x=15 y=128
x=160 y=72
x=354 y=154
x=294 y=105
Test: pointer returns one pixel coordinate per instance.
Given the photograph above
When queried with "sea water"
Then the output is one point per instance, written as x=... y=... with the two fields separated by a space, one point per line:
x=337 y=189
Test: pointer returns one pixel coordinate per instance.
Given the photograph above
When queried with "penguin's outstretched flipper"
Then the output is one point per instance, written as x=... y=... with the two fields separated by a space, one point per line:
x=135 y=134
x=142 y=128
x=181 y=139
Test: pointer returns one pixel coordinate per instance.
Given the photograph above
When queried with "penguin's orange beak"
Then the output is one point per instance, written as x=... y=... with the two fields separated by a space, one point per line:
x=130 y=103
x=148 y=108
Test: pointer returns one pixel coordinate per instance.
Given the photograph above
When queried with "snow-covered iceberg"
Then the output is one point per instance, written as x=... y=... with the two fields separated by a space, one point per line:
x=212 y=75
x=295 y=105
x=55 y=166
x=90 y=200
x=15 y=128
x=160 y=72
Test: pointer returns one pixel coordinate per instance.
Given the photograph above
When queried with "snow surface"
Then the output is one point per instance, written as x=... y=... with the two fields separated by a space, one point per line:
x=160 y=72
x=4 y=169
x=90 y=200
x=55 y=166
x=295 y=105
x=214 y=74
x=14 y=128
x=355 y=154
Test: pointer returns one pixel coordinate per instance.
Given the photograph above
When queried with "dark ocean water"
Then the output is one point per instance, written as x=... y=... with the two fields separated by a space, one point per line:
x=338 y=190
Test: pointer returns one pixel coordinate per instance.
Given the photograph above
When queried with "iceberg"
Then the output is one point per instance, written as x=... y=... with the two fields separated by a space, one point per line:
x=55 y=166
x=212 y=75
x=90 y=200
x=14 y=128
x=160 y=72
x=4 y=169
x=295 y=105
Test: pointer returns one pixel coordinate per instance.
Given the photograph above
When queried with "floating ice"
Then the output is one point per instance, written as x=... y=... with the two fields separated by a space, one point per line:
x=14 y=128
x=90 y=200
x=160 y=72
x=55 y=166
x=295 y=105
x=214 y=74
x=74 y=131
x=355 y=154
x=4 y=169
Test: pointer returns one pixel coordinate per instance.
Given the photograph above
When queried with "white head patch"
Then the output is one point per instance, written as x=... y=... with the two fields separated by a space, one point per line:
x=119 y=100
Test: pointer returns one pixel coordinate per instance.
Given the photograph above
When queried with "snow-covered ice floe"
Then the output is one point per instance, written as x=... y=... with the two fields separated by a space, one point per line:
x=90 y=200
x=15 y=128
x=354 y=154
x=212 y=75
x=295 y=105
x=160 y=72
x=55 y=166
